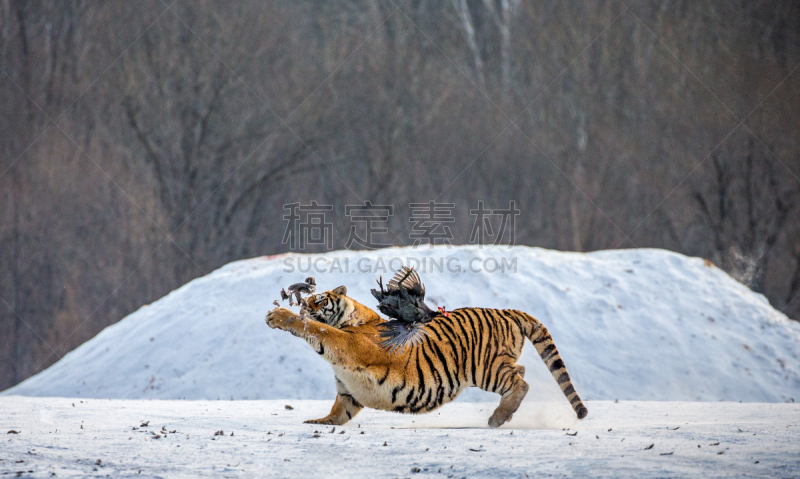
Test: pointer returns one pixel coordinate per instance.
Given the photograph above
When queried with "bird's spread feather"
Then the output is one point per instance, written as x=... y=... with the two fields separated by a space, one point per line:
x=403 y=300
x=407 y=279
x=396 y=335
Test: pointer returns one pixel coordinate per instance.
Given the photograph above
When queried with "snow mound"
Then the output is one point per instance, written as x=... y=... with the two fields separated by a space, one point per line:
x=638 y=324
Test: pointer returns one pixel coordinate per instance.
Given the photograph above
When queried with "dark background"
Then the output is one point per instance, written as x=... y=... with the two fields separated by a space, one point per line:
x=143 y=144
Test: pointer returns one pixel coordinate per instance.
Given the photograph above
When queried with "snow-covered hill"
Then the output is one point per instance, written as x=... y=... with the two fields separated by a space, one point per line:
x=630 y=324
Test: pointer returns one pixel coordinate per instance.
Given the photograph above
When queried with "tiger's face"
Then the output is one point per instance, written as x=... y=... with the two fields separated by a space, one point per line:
x=331 y=307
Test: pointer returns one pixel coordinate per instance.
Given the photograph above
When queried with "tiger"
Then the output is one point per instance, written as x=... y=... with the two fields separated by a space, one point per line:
x=464 y=348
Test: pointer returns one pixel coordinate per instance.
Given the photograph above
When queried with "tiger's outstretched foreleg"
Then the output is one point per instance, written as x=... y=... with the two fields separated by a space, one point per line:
x=343 y=410
x=334 y=345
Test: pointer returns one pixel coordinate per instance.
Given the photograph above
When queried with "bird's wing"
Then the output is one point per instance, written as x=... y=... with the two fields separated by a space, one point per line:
x=404 y=298
x=407 y=279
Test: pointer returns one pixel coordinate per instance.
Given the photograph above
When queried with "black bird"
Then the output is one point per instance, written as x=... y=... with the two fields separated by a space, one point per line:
x=403 y=300
x=308 y=287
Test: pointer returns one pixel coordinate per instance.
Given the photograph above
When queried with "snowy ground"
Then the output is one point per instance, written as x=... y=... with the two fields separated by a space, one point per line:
x=264 y=439
x=630 y=325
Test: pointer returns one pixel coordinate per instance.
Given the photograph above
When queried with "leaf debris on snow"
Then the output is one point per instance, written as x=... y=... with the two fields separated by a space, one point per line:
x=649 y=447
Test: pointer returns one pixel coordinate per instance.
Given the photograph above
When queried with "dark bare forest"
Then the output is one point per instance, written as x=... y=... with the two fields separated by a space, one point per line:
x=144 y=144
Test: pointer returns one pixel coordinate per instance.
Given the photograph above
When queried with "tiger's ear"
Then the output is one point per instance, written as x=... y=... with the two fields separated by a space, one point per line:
x=341 y=290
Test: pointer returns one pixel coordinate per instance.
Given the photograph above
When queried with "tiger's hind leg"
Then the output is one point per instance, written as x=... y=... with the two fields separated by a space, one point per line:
x=513 y=391
x=344 y=408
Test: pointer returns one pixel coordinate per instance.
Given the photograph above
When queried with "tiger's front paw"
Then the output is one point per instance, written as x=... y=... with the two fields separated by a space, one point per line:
x=281 y=318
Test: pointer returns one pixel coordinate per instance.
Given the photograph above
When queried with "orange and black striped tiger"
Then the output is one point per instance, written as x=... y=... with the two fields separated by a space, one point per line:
x=467 y=347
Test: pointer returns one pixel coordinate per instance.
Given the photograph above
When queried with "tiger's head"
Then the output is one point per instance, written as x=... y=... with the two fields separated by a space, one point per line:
x=332 y=307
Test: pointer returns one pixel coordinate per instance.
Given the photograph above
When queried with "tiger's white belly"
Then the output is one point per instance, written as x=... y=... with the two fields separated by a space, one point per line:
x=363 y=386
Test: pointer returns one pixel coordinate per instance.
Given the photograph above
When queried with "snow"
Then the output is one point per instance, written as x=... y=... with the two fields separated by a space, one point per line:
x=263 y=439
x=638 y=324
x=657 y=330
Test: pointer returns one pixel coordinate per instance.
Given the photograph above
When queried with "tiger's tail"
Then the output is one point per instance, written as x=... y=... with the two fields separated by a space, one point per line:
x=543 y=342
